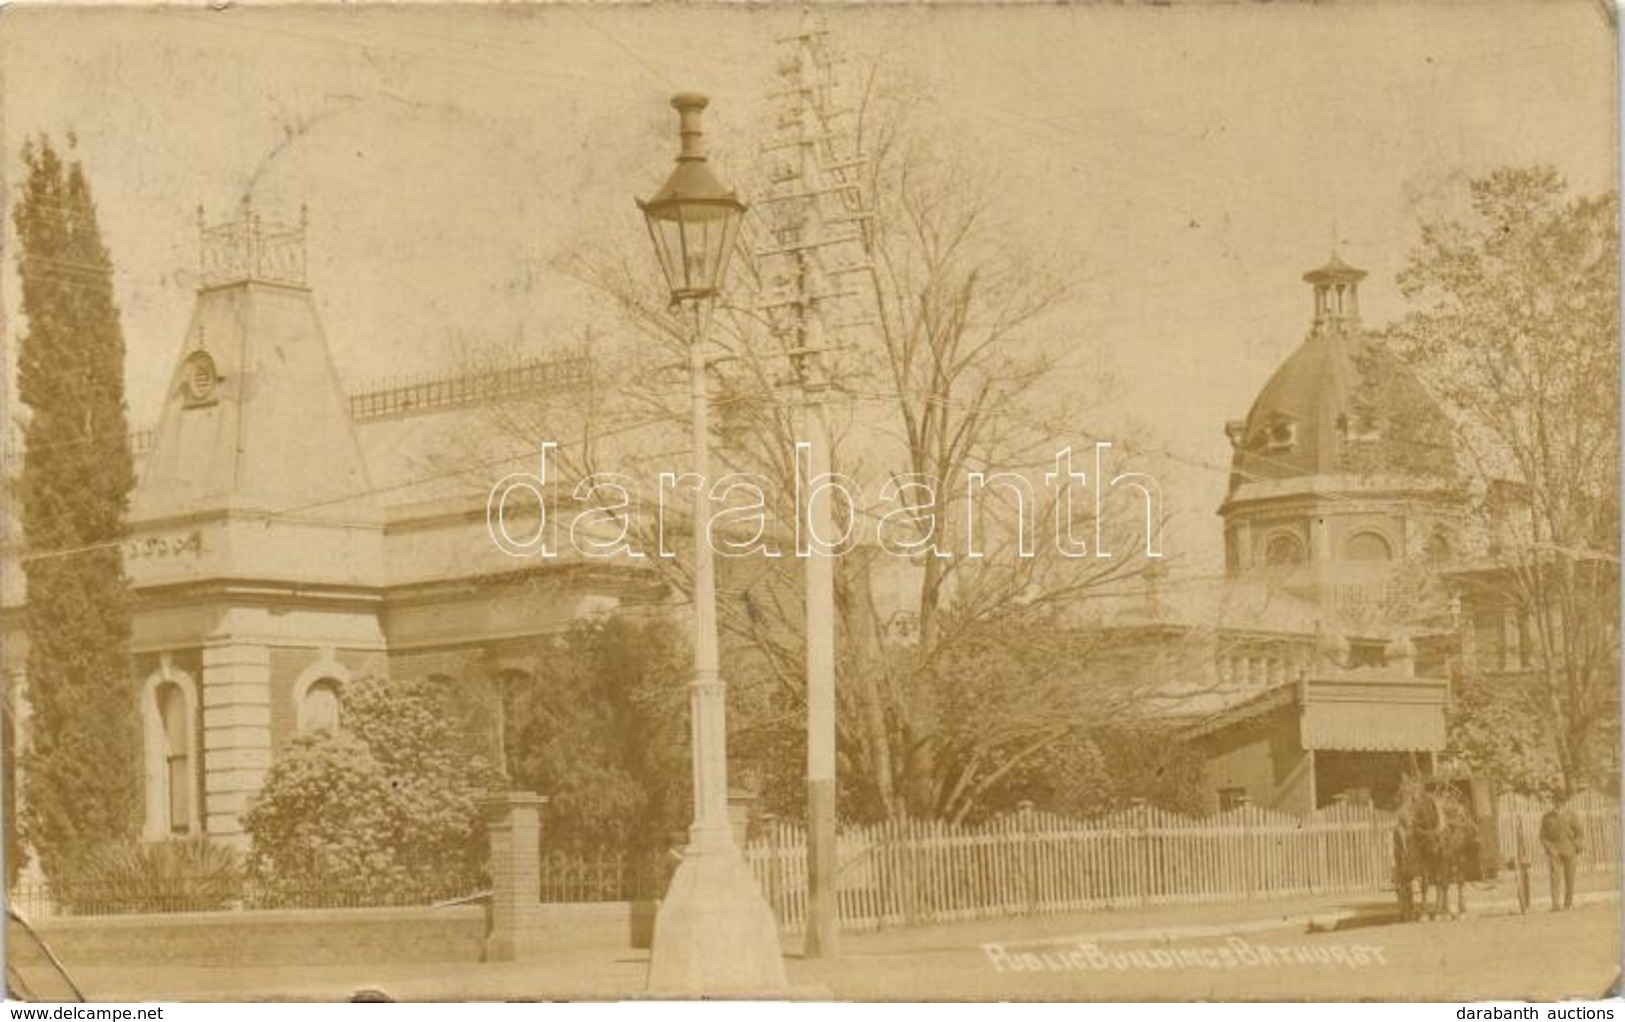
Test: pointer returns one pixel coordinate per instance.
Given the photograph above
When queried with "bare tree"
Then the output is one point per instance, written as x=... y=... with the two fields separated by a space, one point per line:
x=981 y=667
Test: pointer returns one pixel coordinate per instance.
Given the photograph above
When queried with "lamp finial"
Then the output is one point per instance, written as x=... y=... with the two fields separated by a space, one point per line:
x=689 y=106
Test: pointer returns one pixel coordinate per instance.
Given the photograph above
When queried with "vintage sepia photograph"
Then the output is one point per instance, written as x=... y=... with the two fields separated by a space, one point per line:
x=967 y=502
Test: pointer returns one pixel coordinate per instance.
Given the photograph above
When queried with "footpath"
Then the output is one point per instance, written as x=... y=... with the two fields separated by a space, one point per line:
x=1166 y=923
x=611 y=973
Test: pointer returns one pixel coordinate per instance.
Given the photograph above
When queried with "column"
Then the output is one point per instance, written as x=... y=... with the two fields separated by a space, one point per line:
x=1320 y=557
x=236 y=733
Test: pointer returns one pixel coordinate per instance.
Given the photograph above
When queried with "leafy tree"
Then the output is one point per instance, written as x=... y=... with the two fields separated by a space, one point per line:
x=82 y=763
x=1091 y=773
x=386 y=804
x=1492 y=735
x=1514 y=325
x=604 y=734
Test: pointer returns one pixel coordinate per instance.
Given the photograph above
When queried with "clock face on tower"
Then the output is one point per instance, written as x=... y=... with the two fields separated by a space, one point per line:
x=198 y=379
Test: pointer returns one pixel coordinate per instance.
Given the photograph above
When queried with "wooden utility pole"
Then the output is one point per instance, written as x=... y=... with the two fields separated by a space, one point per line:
x=816 y=222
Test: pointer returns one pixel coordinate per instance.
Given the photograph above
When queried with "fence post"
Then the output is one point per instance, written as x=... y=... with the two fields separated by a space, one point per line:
x=912 y=837
x=1382 y=854
x=513 y=822
x=1244 y=814
x=1329 y=865
x=770 y=826
x=1029 y=854
x=1144 y=841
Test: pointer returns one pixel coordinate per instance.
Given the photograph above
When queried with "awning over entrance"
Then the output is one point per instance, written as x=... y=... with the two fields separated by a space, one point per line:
x=1375 y=713
x=1355 y=728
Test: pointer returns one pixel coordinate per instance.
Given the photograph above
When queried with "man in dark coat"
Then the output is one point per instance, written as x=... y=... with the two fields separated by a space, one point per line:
x=1560 y=836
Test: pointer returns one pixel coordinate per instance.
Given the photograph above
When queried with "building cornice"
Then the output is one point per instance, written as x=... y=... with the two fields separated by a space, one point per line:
x=1311 y=489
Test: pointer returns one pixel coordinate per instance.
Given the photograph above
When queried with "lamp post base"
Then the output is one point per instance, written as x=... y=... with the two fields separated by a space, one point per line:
x=714 y=934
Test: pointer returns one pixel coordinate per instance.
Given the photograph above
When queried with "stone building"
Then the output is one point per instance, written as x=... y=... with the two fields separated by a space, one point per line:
x=287 y=537
x=1317 y=666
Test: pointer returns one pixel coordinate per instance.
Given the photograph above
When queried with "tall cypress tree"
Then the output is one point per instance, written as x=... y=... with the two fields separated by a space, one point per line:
x=81 y=768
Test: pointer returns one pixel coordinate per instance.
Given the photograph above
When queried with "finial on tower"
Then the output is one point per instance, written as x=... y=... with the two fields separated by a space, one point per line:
x=249 y=249
x=1337 y=296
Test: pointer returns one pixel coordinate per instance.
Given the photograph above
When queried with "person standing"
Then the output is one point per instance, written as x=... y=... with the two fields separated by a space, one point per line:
x=1560 y=836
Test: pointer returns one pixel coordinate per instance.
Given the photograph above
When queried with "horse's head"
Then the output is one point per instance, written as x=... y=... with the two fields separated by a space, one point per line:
x=1460 y=825
x=1410 y=786
x=1419 y=812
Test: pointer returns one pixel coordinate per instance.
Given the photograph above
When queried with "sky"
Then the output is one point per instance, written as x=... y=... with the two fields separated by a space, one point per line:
x=1190 y=161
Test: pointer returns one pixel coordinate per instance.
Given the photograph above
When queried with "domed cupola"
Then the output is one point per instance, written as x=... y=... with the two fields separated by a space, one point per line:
x=1341 y=403
x=1343 y=458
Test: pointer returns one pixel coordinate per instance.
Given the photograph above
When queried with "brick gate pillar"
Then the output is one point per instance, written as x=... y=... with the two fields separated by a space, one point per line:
x=513 y=820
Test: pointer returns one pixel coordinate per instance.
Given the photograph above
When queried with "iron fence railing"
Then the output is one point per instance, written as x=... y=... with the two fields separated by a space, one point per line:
x=603 y=875
x=38 y=899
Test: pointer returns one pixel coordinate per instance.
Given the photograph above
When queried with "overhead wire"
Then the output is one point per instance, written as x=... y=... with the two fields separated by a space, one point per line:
x=1000 y=116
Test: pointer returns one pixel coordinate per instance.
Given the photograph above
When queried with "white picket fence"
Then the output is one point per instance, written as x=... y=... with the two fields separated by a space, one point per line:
x=1518 y=820
x=904 y=872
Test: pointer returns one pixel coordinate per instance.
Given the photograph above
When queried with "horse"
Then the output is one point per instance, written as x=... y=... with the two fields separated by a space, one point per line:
x=1435 y=843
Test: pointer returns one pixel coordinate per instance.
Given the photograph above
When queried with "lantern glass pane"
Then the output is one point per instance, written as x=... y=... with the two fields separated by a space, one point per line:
x=694 y=241
x=705 y=258
x=725 y=249
x=692 y=250
x=663 y=233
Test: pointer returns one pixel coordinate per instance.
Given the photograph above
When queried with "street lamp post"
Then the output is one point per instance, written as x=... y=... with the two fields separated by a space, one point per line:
x=714 y=933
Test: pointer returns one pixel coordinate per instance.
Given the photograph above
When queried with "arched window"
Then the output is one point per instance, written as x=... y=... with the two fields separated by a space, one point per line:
x=1367 y=546
x=319 y=710
x=1283 y=549
x=176 y=727
x=170 y=754
x=317 y=695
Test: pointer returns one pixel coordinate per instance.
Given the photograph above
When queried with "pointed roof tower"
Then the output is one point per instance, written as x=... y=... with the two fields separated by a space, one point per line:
x=255 y=425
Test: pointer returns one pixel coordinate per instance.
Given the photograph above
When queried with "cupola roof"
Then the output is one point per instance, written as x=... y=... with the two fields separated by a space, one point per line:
x=1341 y=403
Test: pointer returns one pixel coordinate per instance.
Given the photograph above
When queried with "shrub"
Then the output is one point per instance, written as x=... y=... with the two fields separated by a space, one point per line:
x=381 y=812
x=606 y=738
x=182 y=875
